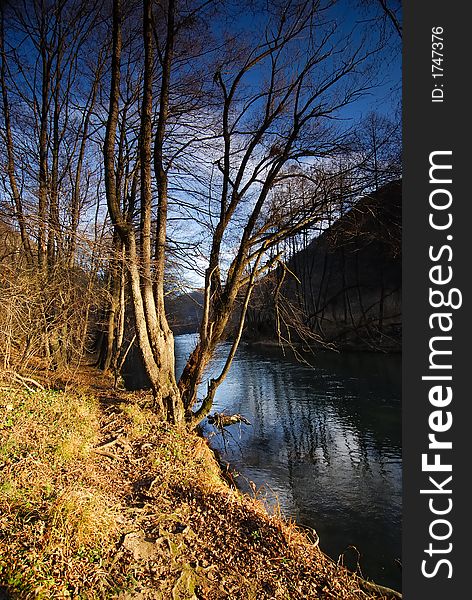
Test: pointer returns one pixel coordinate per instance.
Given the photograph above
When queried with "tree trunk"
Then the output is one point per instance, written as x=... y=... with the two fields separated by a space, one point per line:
x=158 y=359
x=155 y=339
x=115 y=279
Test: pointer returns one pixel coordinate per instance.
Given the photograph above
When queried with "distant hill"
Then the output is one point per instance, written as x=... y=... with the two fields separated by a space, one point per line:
x=349 y=288
x=184 y=312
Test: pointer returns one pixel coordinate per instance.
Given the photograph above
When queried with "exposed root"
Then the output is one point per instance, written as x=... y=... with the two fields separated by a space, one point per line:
x=221 y=420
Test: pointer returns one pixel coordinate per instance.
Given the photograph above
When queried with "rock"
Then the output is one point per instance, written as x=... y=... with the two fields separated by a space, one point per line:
x=141 y=548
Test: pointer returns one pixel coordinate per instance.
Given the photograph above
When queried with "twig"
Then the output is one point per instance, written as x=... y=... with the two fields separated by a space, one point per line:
x=109 y=443
x=107 y=454
x=25 y=380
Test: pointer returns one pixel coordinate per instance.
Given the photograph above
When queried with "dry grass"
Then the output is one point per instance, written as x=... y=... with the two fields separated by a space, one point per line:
x=101 y=500
x=216 y=543
x=57 y=521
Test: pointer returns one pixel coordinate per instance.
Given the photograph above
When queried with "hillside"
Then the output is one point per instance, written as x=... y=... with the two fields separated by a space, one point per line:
x=184 y=312
x=344 y=288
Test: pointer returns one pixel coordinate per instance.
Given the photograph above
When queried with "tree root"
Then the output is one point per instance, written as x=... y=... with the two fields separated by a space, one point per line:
x=221 y=420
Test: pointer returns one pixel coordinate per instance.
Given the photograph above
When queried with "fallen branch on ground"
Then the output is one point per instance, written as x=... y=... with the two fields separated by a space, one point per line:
x=27 y=382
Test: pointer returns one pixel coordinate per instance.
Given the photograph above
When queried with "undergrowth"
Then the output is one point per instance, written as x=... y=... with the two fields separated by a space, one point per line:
x=57 y=524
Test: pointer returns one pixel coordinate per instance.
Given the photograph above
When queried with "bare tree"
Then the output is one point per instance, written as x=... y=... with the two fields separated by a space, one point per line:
x=199 y=130
x=50 y=85
x=277 y=96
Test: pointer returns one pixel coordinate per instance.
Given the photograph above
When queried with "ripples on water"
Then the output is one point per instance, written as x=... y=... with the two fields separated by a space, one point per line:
x=324 y=443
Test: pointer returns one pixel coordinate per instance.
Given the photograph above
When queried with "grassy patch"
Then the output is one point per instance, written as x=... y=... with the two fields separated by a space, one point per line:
x=57 y=523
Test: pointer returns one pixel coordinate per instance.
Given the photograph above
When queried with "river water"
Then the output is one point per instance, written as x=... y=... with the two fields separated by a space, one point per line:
x=324 y=444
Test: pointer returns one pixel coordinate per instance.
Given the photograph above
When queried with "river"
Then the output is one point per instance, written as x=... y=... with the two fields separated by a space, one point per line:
x=324 y=445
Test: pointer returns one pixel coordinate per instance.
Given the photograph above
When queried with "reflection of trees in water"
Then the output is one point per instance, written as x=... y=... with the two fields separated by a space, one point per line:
x=312 y=419
x=338 y=474
x=306 y=432
x=304 y=417
x=318 y=436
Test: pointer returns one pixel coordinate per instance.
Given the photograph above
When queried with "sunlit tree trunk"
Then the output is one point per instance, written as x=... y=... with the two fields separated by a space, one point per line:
x=155 y=339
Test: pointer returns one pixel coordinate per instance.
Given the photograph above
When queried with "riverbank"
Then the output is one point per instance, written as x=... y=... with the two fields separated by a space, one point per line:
x=101 y=500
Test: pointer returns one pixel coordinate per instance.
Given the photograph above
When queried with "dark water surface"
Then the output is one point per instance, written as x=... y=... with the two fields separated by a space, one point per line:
x=324 y=442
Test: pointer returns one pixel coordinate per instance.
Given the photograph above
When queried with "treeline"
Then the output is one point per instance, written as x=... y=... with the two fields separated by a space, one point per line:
x=152 y=145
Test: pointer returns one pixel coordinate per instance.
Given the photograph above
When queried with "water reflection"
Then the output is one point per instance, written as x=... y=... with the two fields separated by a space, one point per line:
x=324 y=443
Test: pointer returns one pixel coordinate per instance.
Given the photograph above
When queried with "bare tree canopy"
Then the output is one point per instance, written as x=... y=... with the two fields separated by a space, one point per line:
x=148 y=142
